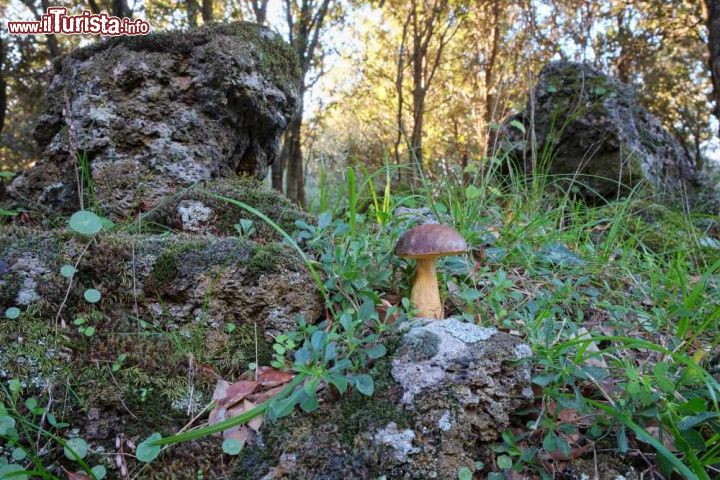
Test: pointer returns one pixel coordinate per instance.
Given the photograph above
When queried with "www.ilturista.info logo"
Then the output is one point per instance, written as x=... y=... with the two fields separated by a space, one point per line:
x=57 y=21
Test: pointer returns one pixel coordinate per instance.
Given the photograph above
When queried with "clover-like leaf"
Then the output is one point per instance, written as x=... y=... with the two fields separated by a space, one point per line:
x=232 y=446
x=91 y=295
x=146 y=450
x=67 y=271
x=85 y=222
x=75 y=449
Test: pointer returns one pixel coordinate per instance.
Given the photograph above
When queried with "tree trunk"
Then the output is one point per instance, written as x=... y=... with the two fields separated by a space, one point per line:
x=52 y=42
x=295 y=178
x=260 y=10
x=713 y=26
x=207 y=11
x=278 y=166
x=3 y=87
x=192 y=12
x=121 y=9
x=416 y=153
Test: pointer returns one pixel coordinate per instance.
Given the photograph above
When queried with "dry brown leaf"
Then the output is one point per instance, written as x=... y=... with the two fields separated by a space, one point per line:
x=260 y=397
x=236 y=392
x=575 y=452
x=667 y=439
x=270 y=377
x=77 y=475
x=241 y=432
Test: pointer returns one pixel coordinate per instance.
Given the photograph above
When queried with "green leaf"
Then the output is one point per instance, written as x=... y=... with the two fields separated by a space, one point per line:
x=6 y=424
x=689 y=422
x=146 y=451
x=232 y=446
x=325 y=219
x=464 y=474
x=89 y=331
x=12 y=313
x=91 y=295
x=472 y=192
x=310 y=403
x=18 y=454
x=53 y=421
x=552 y=88
x=504 y=462
x=302 y=356
x=367 y=309
x=75 y=449
x=519 y=125
x=68 y=271
x=31 y=403
x=365 y=384
x=340 y=382
x=14 y=385
x=85 y=222
x=99 y=472
x=12 y=471
x=377 y=351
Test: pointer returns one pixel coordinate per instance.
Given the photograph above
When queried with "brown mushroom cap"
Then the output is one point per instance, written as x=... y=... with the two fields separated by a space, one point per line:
x=429 y=240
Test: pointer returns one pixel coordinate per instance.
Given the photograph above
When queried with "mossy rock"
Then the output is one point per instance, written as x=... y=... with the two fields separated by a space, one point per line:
x=220 y=217
x=276 y=59
x=177 y=312
x=590 y=130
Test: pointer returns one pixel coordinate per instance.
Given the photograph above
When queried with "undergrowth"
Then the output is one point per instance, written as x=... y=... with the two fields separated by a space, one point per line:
x=619 y=302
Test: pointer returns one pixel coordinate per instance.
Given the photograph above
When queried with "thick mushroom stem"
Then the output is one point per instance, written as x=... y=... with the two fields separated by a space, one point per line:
x=425 y=292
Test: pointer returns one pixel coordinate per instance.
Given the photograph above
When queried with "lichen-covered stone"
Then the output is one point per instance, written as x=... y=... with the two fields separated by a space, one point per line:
x=151 y=115
x=447 y=389
x=591 y=126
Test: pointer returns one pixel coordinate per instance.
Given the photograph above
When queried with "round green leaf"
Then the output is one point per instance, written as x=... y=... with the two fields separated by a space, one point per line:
x=12 y=313
x=99 y=472
x=85 y=222
x=76 y=448
x=464 y=474
x=92 y=296
x=232 y=446
x=6 y=424
x=504 y=462
x=18 y=454
x=146 y=451
x=67 y=271
x=89 y=331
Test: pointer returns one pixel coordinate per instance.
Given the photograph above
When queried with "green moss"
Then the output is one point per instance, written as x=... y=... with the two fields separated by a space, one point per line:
x=226 y=215
x=30 y=350
x=166 y=268
x=274 y=57
x=271 y=258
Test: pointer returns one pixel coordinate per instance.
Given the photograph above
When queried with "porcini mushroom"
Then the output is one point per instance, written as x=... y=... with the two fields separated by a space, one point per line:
x=426 y=243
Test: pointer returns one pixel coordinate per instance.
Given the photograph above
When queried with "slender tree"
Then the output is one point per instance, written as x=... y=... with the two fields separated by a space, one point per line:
x=712 y=15
x=428 y=27
x=305 y=22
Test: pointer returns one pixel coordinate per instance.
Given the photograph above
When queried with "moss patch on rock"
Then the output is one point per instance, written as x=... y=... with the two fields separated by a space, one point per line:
x=274 y=57
x=225 y=215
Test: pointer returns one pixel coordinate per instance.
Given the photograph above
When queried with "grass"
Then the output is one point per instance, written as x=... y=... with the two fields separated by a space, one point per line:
x=622 y=319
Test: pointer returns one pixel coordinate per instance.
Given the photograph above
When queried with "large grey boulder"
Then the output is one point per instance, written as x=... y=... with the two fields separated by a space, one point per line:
x=590 y=126
x=446 y=391
x=154 y=114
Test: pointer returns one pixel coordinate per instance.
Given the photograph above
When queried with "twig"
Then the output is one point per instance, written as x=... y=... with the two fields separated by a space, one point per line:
x=72 y=277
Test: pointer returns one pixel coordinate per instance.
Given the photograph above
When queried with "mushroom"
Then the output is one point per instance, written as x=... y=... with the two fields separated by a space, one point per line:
x=425 y=243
